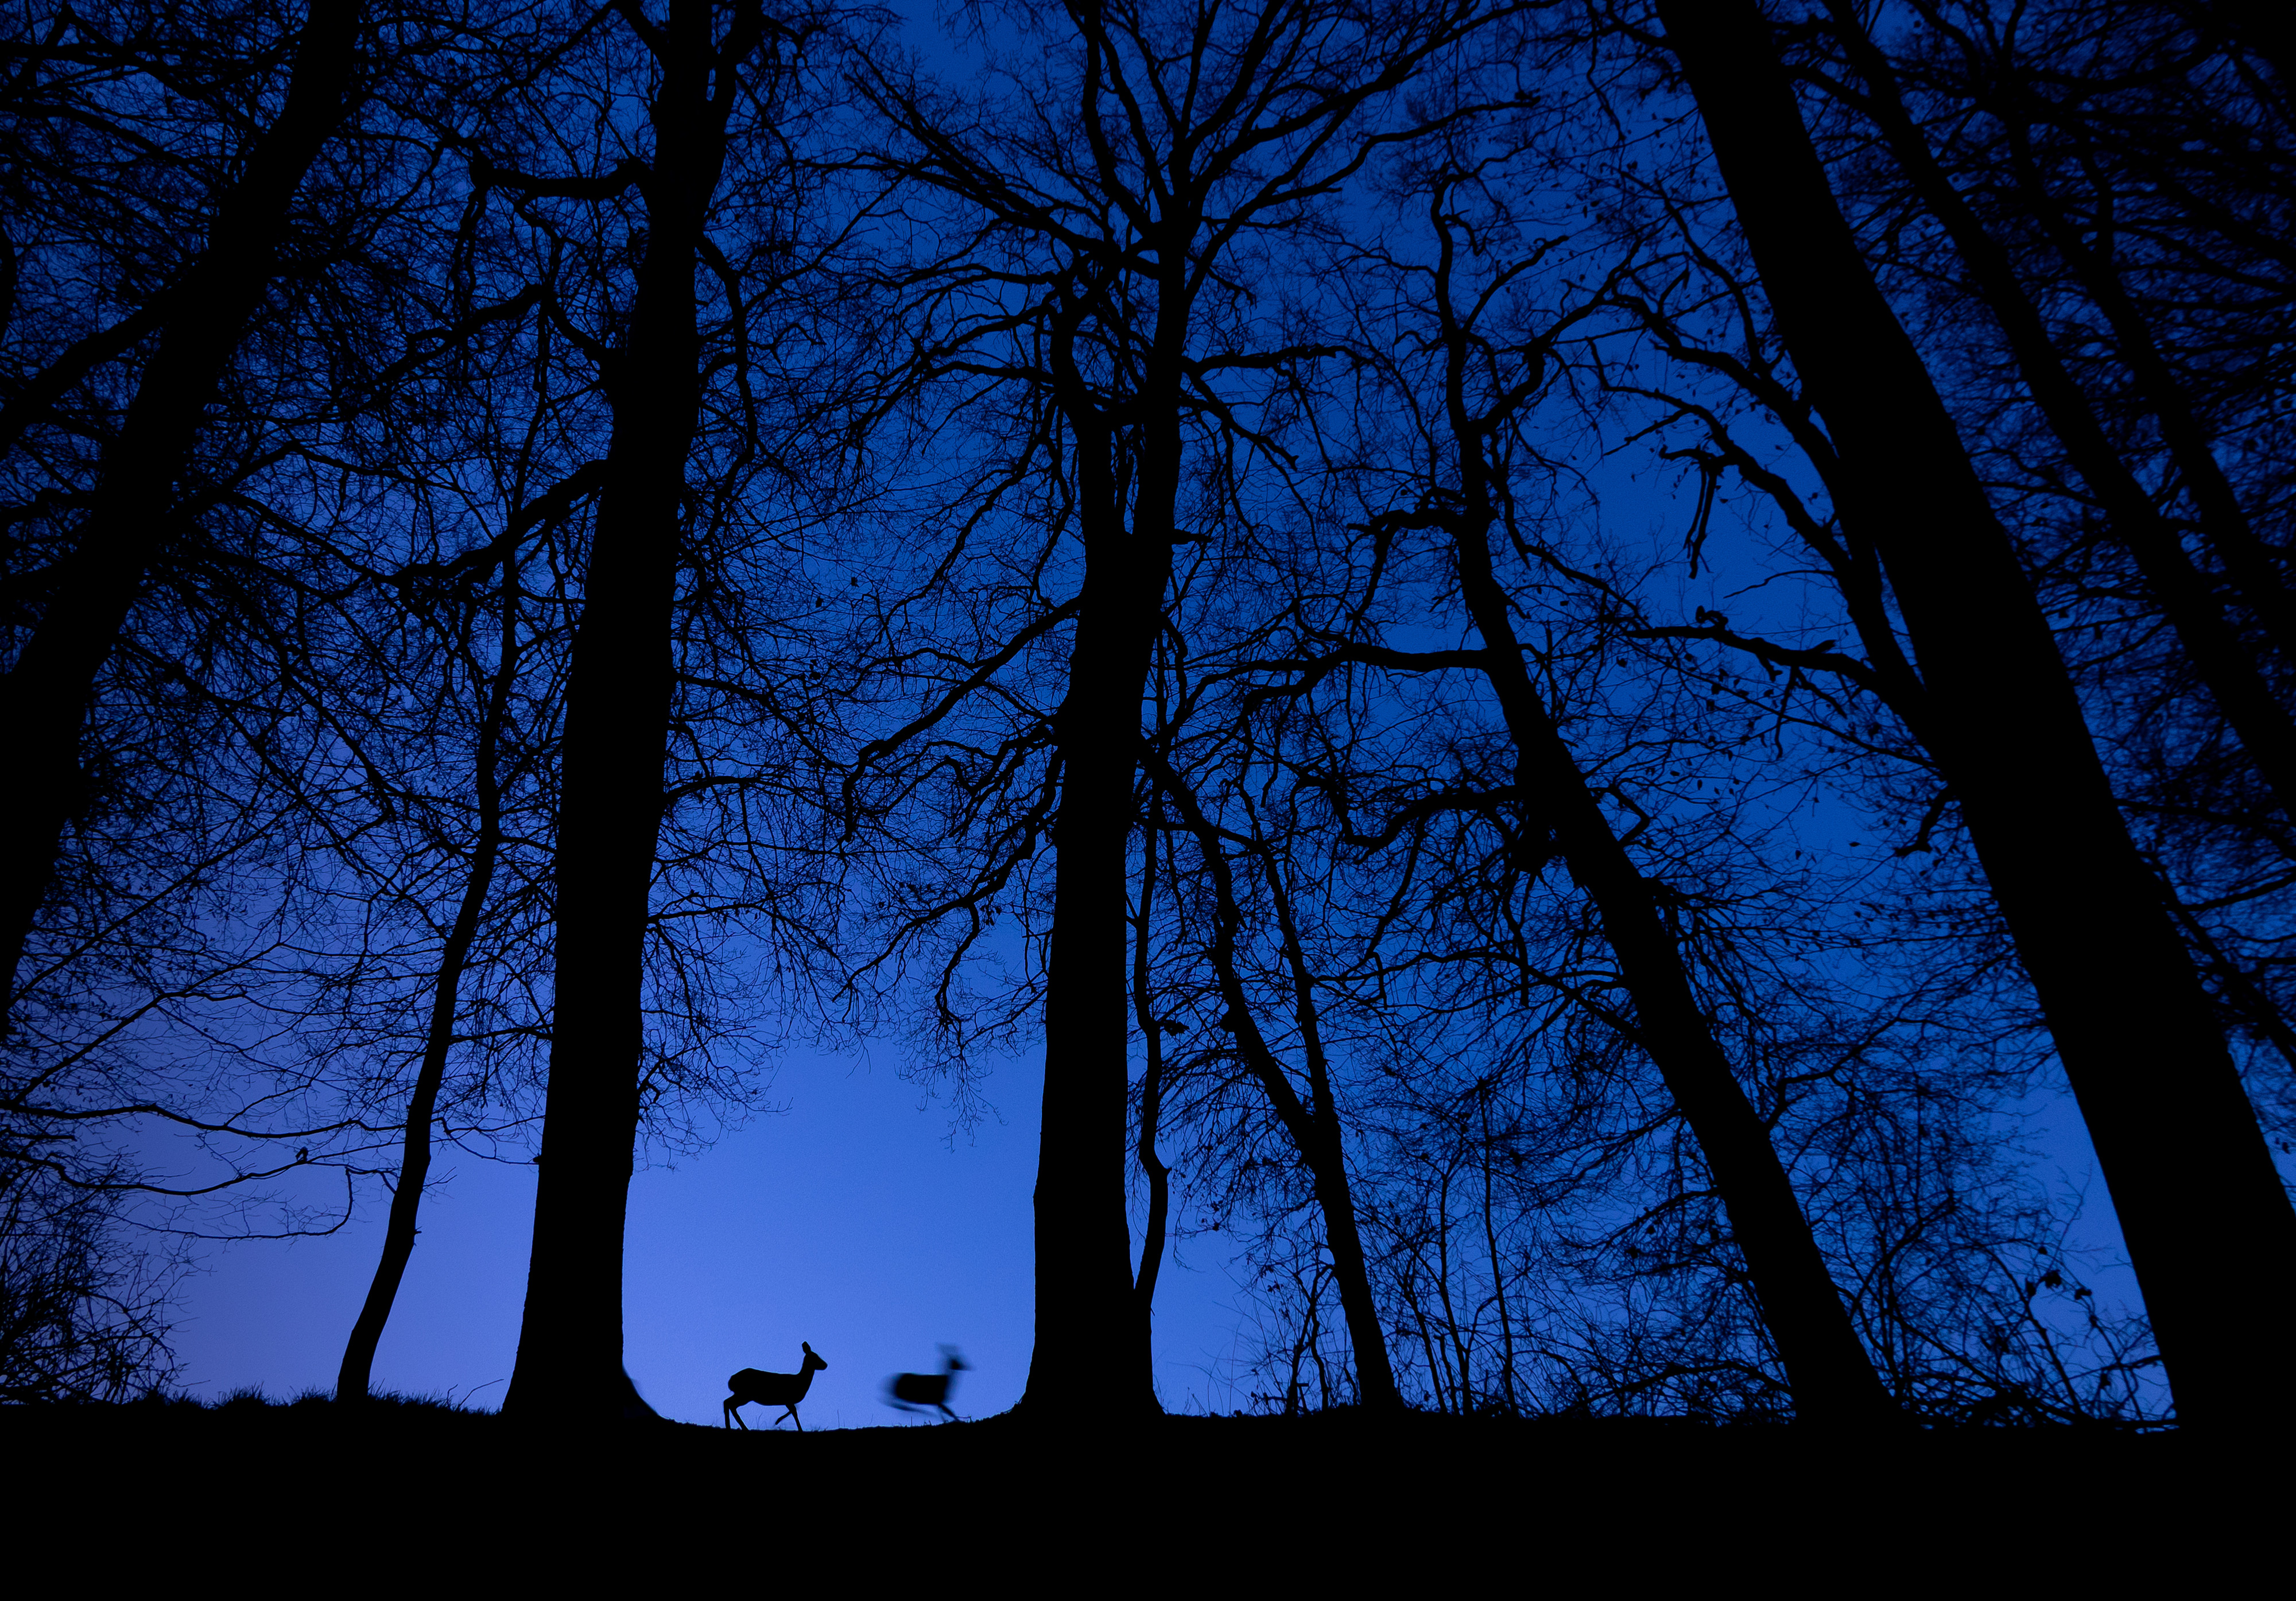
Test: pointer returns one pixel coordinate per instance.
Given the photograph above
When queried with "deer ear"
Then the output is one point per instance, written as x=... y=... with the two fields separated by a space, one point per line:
x=808 y=1348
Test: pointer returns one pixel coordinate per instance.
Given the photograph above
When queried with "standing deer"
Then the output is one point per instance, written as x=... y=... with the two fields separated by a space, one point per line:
x=922 y=1391
x=772 y=1389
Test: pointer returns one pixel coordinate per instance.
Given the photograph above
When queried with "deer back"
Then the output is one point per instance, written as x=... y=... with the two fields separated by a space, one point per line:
x=925 y=1389
x=771 y=1389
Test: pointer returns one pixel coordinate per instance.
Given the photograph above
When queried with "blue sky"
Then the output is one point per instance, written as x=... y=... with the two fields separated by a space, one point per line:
x=852 y=1221
x=849 y=1221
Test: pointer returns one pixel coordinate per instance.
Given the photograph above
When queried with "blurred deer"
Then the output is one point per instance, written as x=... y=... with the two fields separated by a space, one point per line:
x=772 y=1389
x=924 y=1391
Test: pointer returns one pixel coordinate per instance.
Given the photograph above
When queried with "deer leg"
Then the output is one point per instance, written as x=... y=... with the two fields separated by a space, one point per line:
x=733 y=1414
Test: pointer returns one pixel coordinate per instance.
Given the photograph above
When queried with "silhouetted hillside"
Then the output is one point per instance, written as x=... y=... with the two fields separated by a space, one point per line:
x=1183 y=1503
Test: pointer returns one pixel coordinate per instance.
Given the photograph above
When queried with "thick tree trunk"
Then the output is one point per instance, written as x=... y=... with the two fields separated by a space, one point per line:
x=1092 y=1351
x=2208 y=1225
x=2186 y=595
x=1091 y=1348
x=618 y=707
x=2265 y=26
x=2254 y=569
x=45 y=699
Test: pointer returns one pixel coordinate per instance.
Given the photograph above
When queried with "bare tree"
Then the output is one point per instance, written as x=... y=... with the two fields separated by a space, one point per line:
x=2200 y=1202
x=197 y=321
x=1123 y=182
x=716 y=80
x=1312 y=1122
x=1486 y=380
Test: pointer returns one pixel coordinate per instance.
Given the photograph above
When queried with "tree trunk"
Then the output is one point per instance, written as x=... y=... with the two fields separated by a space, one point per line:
x=1152 y=1099
x=2265 y=26
x=2208 y=1225
x=1491 y=1247
x=45 y=700
x=1315 y=1129
x=353 y=1380
x=618 y=708
x=2253 y=567
x=1325 y=1148
x=2186 y=595
x=1092 y=1350
x=1832 y=1377
x=1327 y=1164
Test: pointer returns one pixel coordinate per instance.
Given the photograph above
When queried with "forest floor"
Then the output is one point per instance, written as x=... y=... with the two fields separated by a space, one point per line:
x=1205 y=1502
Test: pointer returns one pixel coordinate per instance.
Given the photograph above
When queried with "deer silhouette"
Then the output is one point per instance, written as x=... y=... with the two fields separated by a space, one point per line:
x=925 y=1391
x=772 y=1389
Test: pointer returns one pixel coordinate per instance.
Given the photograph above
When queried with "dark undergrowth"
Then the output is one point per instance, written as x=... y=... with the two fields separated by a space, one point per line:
x=1168 y=1501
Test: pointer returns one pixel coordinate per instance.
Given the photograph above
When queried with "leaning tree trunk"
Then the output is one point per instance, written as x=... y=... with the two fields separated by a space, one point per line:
x=45 y=699
x=2208 y=1225
x=356 y=1375
x=1314 y=1125
x=2253 y=567
x=2186 y=595
x=1832 y=1377
x=2265 y=26
x=617 y=709
x=1325 y=1148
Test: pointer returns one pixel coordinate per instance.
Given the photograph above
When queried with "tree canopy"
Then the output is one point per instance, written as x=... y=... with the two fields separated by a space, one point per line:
x=1565 y=654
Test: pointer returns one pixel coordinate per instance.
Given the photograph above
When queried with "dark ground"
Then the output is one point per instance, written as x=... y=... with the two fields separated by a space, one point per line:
x=303 y=1497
